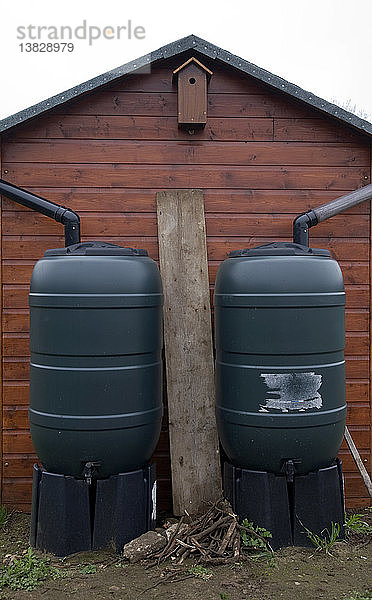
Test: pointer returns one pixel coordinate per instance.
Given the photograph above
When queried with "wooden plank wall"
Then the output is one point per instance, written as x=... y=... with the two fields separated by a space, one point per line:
x=260 y=160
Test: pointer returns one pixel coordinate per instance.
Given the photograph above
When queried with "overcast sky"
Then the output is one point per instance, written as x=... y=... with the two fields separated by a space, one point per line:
x=324 y=46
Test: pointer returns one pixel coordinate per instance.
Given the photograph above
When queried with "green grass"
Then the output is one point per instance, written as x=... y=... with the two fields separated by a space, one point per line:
x=326 y=540
x=201 y=572
x=355 y=523
x=27 y=572
x=88 y=569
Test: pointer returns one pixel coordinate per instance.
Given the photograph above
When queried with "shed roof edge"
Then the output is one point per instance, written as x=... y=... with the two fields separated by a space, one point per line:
x=203 y=47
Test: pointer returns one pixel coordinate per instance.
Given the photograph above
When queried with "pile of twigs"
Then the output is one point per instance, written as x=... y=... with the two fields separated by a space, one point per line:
x=214 y=537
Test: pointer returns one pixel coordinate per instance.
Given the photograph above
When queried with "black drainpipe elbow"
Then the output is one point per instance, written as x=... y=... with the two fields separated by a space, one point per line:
x=301 y=226
x=61 y=214
x=302 y=223
x=71 y=222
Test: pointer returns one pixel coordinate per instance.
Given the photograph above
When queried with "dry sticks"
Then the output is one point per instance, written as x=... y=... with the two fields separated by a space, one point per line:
x=214 y=537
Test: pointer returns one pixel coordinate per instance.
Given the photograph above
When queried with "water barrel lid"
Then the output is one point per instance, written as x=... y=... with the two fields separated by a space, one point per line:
x=95 y=249
x=280 y=249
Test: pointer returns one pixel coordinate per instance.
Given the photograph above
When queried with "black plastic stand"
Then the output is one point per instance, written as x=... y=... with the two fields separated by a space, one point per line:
x=286 y=505
x=69 y=515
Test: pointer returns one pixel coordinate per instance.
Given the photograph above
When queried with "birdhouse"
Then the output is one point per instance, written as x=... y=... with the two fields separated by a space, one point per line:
x=192 y=80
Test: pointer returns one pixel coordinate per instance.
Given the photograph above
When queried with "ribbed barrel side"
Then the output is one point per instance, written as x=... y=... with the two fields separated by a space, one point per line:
x=280 y=372
x=96 y=339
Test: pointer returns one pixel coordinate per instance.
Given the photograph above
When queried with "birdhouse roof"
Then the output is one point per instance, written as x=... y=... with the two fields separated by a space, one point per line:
x=195 y=61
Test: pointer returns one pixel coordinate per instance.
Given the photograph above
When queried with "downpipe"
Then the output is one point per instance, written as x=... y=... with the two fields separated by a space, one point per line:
x=67 y=217
x=303 y=222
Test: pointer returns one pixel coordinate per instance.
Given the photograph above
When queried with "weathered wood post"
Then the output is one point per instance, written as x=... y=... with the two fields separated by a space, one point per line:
x=194 y=449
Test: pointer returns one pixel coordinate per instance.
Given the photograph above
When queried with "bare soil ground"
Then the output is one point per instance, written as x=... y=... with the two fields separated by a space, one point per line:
x=292 y=574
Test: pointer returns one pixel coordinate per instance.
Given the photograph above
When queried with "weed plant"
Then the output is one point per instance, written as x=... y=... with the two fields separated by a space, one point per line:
x=27 y=572
x=326 y=540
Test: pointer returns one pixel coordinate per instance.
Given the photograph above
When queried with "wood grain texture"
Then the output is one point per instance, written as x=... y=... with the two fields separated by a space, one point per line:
x=165 y=128
x=142 y=200
x=157 y=104
x=218 y=225
x=357 y=320
x=317 y=129
x=196 y=474
x=175 y=152
x=357 y=391
x=150 y=128
x=232 y=176
x=16 y=392
x=15 y=321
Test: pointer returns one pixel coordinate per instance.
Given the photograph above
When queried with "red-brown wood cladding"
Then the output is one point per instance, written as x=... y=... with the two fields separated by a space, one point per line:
x=165 y=105
x=227 y=225
x=261 y=159
x=201 y=153
x=141 y=200
x=182 y=176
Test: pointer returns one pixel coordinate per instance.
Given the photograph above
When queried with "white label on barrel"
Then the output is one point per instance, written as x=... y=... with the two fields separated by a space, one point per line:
x=292 y=391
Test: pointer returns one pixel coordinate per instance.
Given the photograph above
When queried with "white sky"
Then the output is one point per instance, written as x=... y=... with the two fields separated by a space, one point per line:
x=324 y=46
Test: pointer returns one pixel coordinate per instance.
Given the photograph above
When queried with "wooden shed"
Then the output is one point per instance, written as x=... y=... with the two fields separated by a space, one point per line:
x=268 y=151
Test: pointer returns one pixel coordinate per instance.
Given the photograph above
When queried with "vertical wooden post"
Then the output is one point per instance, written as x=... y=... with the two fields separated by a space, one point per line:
x=196 y=475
